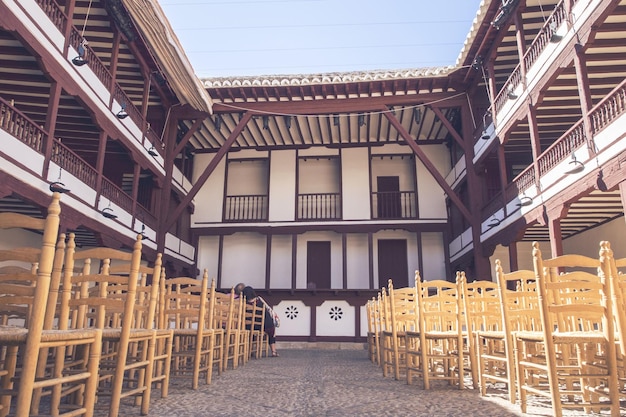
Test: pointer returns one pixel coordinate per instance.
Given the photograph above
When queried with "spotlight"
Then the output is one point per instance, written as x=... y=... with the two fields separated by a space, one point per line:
x=494 y=222
x=417 y=115
x=288 y=122
x=58 y=187
x=524 y=201
x=80 y=60
x=361 y=120
x=574 y=166
x=478 y=63
x=266 y=123
x=218 y=122
x=108 y=213
x=511 y=94
x=485 y=135
x=554 y=38
x=122 y=113
x=152 y=151
x=336 y=120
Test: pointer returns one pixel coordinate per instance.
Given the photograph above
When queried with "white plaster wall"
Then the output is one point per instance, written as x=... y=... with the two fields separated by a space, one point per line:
x=336 y=271
x=363 y=323
x=280 y=263
x=244 y=260
x=295 y=318
x=210 y=198
x=208 y=249
x=357 y=261
x=430 y=196
x=282 y=185
x=247 y=177
x=393 y=166
x=355 y=183
x=319 y=175
x=335 y=318
x=588 y=243
x=433 y=257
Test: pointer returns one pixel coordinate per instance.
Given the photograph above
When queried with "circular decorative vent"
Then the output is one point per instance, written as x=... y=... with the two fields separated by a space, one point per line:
x=335 y=313
x=291 y=312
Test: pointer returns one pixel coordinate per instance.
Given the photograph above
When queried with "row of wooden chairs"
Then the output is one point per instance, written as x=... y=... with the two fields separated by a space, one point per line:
x=557 y=332
x=88 y=328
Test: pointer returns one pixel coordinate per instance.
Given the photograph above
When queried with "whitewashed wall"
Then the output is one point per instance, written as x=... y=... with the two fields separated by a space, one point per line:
x=282 y=185
x=209 y=200
x=431 y=197
x=355 y=183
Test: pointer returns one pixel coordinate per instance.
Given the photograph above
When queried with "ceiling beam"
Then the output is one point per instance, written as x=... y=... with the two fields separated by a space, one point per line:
x=429 y=166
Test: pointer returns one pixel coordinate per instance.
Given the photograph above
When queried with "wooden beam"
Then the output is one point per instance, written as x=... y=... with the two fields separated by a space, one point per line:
x=207 y=171
x=429 y=165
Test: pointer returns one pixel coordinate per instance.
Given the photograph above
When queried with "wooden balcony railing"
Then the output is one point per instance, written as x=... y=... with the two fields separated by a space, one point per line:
x=535 y=49
x=74 y=164
x=21 y=127
x=54 y=12
x=394 y=205
x=608 y=109
x=245 y=208
x=320 y=206
x=59 y=19
x=116 y=195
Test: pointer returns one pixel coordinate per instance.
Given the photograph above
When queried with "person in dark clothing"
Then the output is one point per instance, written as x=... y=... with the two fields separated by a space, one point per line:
x=269 y=328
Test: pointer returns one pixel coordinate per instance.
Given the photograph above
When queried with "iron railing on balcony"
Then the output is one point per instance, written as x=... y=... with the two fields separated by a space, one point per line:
x=319 y=206
x=394 y=205
x=245 y=208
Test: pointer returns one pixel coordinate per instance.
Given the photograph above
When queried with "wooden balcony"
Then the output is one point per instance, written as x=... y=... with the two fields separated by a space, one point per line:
x=319 y=206
x=394 y=205
x=245 y=208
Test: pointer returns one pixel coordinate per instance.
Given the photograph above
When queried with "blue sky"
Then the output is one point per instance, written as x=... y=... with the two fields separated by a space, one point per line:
x=225 y=38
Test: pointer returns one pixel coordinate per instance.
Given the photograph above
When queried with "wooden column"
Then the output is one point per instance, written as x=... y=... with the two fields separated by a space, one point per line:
x=268 y=260
x=584 y=92
x=50 y=125
x=535 y=143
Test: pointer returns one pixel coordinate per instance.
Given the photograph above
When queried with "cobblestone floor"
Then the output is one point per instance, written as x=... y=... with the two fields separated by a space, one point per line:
x=306 y=382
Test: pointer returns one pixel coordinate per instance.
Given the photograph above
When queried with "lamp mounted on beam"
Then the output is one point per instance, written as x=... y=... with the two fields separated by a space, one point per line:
x=511 y=93
x=80 y=60
x=417 y=115
x=152 y=151
x=524 y=201
x=108 y=212
x=336 y=120
x=122 y=113
x=494 y=222
x=554 y=37
x=485 y=134
x=58 y=186
x=574 y=166
x=361 y=120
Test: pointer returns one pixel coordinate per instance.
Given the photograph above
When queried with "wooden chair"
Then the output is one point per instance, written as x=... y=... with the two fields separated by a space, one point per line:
x=103 y=295
x=255 y=324
x=519 y=313
x=435 y=351
x=27 y=339
x=216 y=320
x=482 y=316
x=184 y=303
x=618 y=294
x=373 y=329
x=577 y=322
x=402 y=319
x=225 y=317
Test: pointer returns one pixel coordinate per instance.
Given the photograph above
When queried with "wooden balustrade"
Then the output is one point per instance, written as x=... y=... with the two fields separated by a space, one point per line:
x=73 y=164
x=21 y=127
x=319 y=206
x=116 y=195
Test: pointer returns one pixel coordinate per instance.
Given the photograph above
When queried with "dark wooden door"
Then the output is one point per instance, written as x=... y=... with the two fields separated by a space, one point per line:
x=388 y=197
x=393 y=262
x=318 y=265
